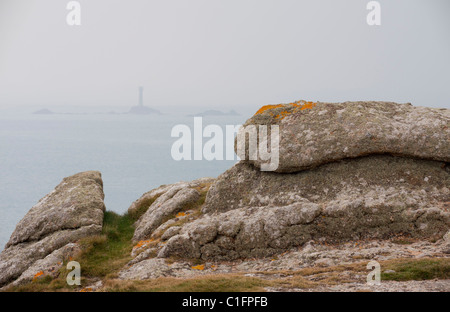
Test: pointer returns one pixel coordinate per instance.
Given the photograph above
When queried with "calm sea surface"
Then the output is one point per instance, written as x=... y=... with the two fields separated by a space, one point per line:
x=132 y=153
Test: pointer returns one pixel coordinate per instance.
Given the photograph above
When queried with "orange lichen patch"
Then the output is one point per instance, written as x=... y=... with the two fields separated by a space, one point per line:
x=282 y=114
x=200 y=267
x=87 y=289
x=143 y=243
x=308 y=105
x=37 y=275
x=180 y=214
x=297 y=105
x=267 y=107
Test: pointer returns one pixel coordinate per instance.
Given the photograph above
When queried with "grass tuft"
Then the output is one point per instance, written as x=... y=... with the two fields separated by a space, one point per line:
x=107 y=253
x=418 y=270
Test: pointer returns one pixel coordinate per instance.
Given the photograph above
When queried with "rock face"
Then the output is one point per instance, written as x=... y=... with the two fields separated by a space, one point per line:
x=373 y=179
x=48 y=266
x=310 y=255
x=170 y=199
x=73 y=210
x=312 y=134
x=146 y=269
x=377 y=200
x=354 y=170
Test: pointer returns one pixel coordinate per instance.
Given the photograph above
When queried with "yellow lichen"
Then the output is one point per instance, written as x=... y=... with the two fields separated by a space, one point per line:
x=297 y=106
x=37 y=275
x=267 y=107
x=142 y=243
x=200 y=267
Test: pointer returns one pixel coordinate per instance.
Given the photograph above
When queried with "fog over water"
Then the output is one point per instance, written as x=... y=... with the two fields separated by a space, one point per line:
x=215 y=53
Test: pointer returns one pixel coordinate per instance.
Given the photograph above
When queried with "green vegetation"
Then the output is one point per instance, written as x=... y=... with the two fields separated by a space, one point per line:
x=101 y=256
x=107 y=253
x=422 y=269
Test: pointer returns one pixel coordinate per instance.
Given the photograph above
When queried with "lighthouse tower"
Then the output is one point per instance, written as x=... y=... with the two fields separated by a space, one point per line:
x=141 y=96
x=140 y=109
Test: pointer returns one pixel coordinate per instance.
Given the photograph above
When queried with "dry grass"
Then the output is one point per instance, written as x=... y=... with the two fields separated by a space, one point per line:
x=405 y=270
x=307 y=278
x=208 y=283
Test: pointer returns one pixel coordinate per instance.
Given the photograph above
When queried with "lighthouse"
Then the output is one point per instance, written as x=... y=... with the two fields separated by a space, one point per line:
x=140 y=109
x=141 y=96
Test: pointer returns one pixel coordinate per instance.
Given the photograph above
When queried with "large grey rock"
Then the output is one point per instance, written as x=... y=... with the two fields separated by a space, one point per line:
x=347 y=171
x=250 y=213
x=368 y=178
x=317 y=133
x=72 y=211
x=76 y=202
x=264 y=231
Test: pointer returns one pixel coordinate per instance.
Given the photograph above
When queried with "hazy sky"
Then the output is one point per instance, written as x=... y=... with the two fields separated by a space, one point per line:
x=223 y=54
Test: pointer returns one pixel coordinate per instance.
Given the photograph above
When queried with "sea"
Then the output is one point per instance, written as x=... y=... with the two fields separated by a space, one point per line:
x=133 y=153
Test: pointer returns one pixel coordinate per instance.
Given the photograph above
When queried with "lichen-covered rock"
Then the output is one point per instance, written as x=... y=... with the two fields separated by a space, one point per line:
x=72 y=211
x=76 y=202
x=172 y=231
x=372 y=178
x=447 y=237
x=146 y=269
x=155 y=193
x=167 y=204
x=347 y=171
x=243 y=233
x=312 y=134
x=249 y=213
x=49 y=266
x=264 y=231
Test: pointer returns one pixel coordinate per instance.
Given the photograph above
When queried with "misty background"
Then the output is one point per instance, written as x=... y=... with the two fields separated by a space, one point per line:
x=190 y=56
x=214 y=53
